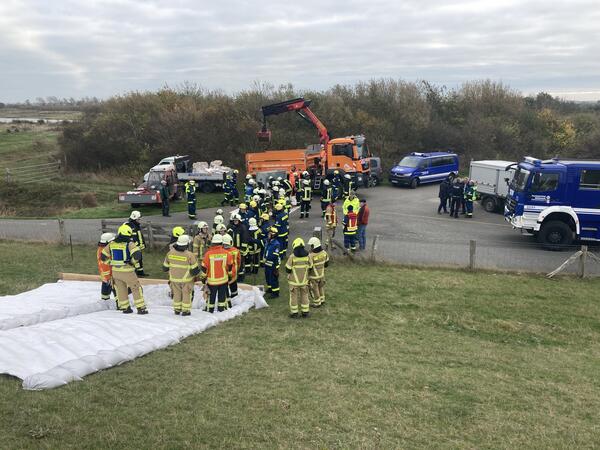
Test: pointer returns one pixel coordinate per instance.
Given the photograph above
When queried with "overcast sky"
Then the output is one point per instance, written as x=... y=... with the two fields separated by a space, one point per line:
x=78 y=48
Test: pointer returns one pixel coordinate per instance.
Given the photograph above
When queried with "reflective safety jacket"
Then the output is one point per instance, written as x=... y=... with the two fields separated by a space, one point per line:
x=350 y=223
x=272 y=258
x=355 y=205
x=248 y=191
x=104 y=269
x=287 y=186
x=239 y=234
x=237 y=260
x=190 y=190
x=281 y=223
x=200 y=244
x=254 y=243
x=298 y=265
x=327 y=194
x=330 y=216
x=319 y=260
x=122 y=256
x=470 y=193
x=137 y=236
x=306 y=193
x=217 y=265
x=181 y=265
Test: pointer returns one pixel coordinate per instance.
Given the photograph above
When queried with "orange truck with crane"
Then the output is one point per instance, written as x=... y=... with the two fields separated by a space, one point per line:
x=348 y=155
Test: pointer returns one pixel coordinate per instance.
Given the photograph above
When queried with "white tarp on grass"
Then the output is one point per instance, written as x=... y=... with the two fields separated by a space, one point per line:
x=68 y=333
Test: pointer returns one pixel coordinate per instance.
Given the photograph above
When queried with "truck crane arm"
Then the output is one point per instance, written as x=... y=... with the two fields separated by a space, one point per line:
x=301 y=107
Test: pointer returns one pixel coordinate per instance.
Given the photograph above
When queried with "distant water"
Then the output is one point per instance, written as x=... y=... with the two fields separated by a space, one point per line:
x=30 y=119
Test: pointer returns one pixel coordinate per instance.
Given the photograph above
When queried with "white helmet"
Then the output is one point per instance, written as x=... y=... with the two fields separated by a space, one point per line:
x=219 y=212
x=202 y=224
x=326 y=182
x=282 y=191
x=248 y=176
x=107 y=237
x=305 y=173
x=306 y=182
x=135 y=215
x=192 y=182
x=163 y=182
x=256 y=191
x=275 y=183
x=279 y=179
x=314 y=242
x=217 y=239
x=183 y=240
x=252 y=222
x=227 y=239
x=237 y=217
x=251 y=181
x=347 y=176
x=218 y=220
x=221 y=227
x=256 y=198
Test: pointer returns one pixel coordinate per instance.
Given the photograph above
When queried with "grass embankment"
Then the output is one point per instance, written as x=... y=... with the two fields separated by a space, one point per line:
x=399 y=358
x=73 y=195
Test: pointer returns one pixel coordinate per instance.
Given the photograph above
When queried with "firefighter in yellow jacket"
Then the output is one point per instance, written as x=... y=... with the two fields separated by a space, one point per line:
x=123 y=255
x=183 y=269
x=316 y=276
x=298 y=266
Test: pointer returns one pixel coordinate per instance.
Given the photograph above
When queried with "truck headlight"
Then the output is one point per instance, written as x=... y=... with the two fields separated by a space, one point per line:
x=122 y=198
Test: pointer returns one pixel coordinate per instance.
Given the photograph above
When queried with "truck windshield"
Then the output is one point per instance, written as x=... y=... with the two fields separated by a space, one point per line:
x=410 y=161
x=520 y=180
x=153 y=179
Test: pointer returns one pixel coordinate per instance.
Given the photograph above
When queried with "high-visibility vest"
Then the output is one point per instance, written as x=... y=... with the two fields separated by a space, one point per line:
x=299 y=266
x=306 y=193
x=237 y=260
x=121 y=256
x=104 y=269
x=327 y=195
x=217 y=264
x=351 y=223
x=318 y=260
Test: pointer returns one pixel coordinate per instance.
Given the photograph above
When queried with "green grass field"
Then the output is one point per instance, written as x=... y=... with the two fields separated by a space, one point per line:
x=400 y=358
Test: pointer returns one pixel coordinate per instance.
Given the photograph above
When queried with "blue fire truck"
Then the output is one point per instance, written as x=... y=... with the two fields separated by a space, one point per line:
x=556 y=200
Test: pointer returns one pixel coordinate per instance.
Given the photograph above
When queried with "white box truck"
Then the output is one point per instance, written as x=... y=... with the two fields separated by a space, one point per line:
x=492 y=178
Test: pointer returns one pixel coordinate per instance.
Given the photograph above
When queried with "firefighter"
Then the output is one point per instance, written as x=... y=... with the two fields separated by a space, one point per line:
x=287 y=186
x=243 y=212
x=348 y=185
x=350 y=223
x=326 y=195
x=330 y=224
x=337 y=185
x=456 y=195
x=306 y=196
x=237 y=261
x=353 y=200
x=175 y=233
x=164 y=198
x=298 y=266
x=227 y=191
x=254 y=243
x=216 y=270
x=201 y=240
x=235 y=195
x=249 y=188
x=239 y=234
x=104 y=269
x=319 y=260
x=264 y=224
x=217 y=219
x=183 y=269
x=137 y=237
x=190 y=192
x=272 y=263
x=298 y=188
x=282 y=225
x=123 y=255
x=221 y=229
x=285 y=201
x=470 y=197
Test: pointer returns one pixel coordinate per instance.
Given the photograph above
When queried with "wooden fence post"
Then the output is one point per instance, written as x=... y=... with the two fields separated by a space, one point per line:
x=582 y=260
x=61 y=231
x=151 y=236
x=472 y=248
x=374 y=247
x=103 y=225
x=7 y=175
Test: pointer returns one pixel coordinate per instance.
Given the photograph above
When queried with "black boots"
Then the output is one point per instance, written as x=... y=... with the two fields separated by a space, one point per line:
x=186 y=313
x=294 y=316
x=128 y=310
x=305 y=314
x=177 y=313
x=142 y=311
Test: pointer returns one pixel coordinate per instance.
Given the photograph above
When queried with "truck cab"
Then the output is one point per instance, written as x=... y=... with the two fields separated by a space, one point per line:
x=349 y=155
x=556 y=200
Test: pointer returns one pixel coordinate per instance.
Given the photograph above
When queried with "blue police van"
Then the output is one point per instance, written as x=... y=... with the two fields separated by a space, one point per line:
x=419 y=168
x=556 y=200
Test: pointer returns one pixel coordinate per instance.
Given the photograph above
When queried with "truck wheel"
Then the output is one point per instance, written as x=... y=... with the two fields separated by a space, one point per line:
x=555 y=235
x=374 y=181
x=207 y=188
x=414 y=183
x=489 y=204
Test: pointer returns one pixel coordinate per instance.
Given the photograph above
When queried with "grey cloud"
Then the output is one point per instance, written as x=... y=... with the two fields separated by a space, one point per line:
x=74 y=48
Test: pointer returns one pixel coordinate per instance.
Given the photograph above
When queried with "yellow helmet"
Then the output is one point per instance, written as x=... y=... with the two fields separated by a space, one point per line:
x=243 y=206
x=178 y=231
x=278 y=206
x=253 y=204
x=298 y=242
x=264 y=216
x=273 y=230
x=125 y=230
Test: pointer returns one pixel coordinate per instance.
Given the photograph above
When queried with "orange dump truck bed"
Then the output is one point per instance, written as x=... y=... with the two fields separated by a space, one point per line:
x=274 y=160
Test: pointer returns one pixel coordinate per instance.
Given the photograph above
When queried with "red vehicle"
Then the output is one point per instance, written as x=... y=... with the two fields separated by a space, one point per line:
x=147 y=193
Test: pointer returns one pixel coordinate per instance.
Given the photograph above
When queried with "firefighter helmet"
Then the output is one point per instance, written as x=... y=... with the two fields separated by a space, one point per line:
x=125 y=230
x=178 y=231
x=298 y=242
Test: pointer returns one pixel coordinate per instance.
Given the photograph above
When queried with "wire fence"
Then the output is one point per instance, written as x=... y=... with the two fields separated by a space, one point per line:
x=32 y=173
